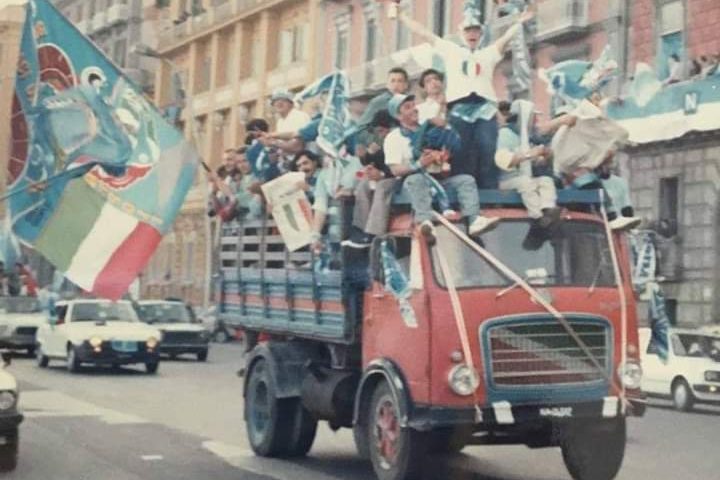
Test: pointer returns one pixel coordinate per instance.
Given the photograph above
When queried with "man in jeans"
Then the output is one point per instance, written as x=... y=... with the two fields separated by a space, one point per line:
x=398 y=147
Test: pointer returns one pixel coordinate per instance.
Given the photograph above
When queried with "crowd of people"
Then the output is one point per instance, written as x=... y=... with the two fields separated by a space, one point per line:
x=437 y=148
x=17 y=281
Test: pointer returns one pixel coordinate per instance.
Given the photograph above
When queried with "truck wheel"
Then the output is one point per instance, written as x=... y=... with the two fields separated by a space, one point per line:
x=360 y=435
x=682 y=396
x=270 y=420
x=73 y=363
x=396 y=453
x=304 y=430
x=594 y=450
x=9 y=452
x=42 y=359
x=449 y=440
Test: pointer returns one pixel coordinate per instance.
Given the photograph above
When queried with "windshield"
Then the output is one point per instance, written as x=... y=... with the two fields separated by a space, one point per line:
x=576 y=255
x=691 y=345
x=103 y=312
x=164 y=313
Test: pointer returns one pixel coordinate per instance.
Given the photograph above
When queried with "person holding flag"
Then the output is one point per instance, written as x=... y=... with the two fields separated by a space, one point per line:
x=471 y=97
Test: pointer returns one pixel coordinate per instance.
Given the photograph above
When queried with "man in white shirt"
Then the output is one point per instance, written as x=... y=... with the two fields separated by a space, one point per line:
x=290 y=121
x=470 y=94
x=399 y=157
x=433 y=84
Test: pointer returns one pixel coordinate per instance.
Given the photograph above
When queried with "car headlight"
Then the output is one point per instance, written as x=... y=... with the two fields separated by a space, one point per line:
x=151 y=343
x=711 y=376
x=463 y=380
x=630 y=374
x=95 y=342
x=7 y=400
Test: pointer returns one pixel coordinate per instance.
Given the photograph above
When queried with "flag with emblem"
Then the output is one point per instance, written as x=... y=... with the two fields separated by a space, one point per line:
x=96 y=175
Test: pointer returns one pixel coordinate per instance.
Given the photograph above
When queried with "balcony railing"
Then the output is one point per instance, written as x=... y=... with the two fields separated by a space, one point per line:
x=372 y=75
x=220 y=13
x=560 y=17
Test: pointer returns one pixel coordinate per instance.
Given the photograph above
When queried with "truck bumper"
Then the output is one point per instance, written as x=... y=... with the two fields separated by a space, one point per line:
x=506 y=414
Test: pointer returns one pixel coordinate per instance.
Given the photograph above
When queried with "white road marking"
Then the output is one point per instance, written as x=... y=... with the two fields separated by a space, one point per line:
x=48 y=403
x=151 y=458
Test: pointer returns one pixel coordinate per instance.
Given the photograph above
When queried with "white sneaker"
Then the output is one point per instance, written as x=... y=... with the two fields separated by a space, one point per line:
x=352 y=244
x=482 y=224
x=427 y=228
x=451 y=215
x=625 y=223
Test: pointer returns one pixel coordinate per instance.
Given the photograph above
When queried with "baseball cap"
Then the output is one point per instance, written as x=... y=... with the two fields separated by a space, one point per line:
x=396 y=101
x=281 y=94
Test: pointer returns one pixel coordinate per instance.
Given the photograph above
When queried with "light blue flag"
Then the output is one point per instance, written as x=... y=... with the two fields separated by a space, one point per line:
x=397 y=283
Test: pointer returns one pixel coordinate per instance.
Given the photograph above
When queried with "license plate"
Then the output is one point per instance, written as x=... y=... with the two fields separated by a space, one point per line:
x=3 y=441
x=120 y=346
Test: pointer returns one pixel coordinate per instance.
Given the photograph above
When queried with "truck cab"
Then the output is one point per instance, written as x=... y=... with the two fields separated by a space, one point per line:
x=423 y=344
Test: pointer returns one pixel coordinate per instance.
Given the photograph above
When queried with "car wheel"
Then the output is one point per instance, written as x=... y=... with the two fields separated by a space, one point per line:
x=31 y=352
x=152 y=367
x=202 y=356
x=9 y=452
x=73 y=363
x=682 y=396
x=42 y=359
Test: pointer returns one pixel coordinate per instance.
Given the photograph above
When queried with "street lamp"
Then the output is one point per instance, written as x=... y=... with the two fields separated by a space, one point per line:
x=179 y=99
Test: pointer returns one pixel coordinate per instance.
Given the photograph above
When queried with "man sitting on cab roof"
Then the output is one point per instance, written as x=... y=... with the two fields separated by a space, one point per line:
x=399 y=156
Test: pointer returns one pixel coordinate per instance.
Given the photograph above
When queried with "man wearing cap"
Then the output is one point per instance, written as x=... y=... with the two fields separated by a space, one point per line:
x=290 y=120
x=538 y=193
x=472 y=102
x=400 y=158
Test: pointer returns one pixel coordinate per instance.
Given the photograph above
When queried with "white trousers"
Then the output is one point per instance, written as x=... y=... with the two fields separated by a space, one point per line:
x=537 y=193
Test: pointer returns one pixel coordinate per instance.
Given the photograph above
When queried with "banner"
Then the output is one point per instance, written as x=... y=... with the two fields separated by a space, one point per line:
x=96 y=175
x=290 y=209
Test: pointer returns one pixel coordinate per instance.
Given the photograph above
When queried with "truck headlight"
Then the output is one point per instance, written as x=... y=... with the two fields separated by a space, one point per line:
x=711 y=376
x=7 y=400
x=95 y=342
x=151 y=343
x=630 y=374
x=463 y=380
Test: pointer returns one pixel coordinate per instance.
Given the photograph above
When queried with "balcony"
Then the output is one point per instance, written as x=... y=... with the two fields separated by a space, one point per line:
x=561 y=18
x=371 y=76
x=220 y=13
x=117 y=13
x=98 y=22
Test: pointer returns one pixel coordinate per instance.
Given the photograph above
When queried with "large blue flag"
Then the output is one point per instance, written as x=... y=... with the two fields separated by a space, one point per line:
x=97 y=176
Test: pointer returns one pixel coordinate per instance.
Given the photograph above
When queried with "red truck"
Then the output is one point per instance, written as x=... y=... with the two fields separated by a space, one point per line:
x=428 y=344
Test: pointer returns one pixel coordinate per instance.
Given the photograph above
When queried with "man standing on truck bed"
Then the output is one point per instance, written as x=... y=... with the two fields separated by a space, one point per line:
x=470 y=95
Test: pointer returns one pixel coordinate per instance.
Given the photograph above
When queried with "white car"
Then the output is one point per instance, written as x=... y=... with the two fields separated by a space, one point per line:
x=692 y=372
x=20 y=318
x=10 y=418
x=98 y=332
x=181 y=331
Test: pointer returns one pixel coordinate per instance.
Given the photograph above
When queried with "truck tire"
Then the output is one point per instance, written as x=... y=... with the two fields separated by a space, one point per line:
x=396 y=453
x=682 y=395
x=594 y=450
x=271 y=421
x=304 y=430
x=362 y=445
x=9 y=452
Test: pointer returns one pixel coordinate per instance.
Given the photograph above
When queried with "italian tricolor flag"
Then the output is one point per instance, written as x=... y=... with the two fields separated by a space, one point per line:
x=99 y=247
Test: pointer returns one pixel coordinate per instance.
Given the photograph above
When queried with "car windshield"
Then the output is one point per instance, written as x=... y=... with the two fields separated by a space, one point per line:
x=164 y=313
x=20 y=305
x=103 y=312
x=576 y=255
x=692 y=345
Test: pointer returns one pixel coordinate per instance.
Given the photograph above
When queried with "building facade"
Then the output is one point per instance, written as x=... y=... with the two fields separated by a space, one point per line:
x=676 y=180
x=116 y=26
x=227 y=57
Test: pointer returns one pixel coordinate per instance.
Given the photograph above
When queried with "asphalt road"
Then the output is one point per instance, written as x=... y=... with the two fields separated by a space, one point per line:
x=186 y=423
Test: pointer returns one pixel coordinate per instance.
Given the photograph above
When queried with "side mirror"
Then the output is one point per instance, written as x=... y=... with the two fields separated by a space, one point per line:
x=7 y=358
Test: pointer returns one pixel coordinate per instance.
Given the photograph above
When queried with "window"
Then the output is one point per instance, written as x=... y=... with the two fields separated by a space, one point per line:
x=202 y=82
x=671 y=307
x=188 y=269
x=671 y=26
x=341 y=49
x=285 y=45
x=292 y=44
x=441 y=16
x=669 y=194
x=298 y=49
x=371 y=32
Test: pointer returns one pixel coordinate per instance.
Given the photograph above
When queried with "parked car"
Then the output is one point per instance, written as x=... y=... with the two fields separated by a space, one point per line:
x=98 y=332
x=692 y=371
x=19 y=323
x=10 y=417
x=181 y=331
